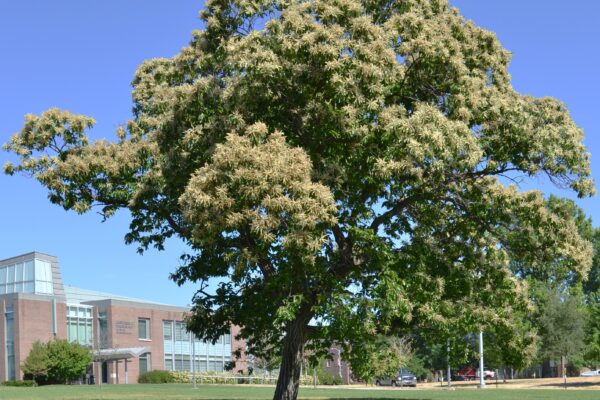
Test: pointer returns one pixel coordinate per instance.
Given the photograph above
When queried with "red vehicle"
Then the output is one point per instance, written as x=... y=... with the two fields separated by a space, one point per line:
x=469 y=373
x=466 y=374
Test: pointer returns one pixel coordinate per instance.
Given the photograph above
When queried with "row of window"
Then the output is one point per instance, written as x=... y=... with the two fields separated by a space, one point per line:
x=183 y=362
x=32 y=276
x=184 y=354
x=178 y=330
x=82 y=315
x=172 y=329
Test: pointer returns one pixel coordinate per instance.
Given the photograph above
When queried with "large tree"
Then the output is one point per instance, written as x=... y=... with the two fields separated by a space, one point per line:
x=337 y=165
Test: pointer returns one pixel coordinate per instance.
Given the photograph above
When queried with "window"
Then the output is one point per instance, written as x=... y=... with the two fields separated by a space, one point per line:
x=167 y=330
x=79 y=324
x=103 y=327
x=215 y=364
x=43 y=277
x=145 y=364
x=185 y=363
x=181 y=334
x=144 y=328
x=168 y=362
x=10 y=343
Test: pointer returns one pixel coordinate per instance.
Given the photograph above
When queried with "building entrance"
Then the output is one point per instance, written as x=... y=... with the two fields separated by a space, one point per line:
x=104 y=372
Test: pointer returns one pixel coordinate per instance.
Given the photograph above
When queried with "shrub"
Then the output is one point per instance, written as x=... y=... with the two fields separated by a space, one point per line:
x=25 y=383
x=326 y=378
x=181 y=376
x=306 y=380
x=156 y=376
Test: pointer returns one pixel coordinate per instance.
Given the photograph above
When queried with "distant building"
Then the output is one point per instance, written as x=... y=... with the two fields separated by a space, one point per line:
x=336 y=366
x=128 y=336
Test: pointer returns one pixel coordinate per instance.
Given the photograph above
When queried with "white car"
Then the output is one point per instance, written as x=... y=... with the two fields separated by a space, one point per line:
x=487 y=374
x=594 y=372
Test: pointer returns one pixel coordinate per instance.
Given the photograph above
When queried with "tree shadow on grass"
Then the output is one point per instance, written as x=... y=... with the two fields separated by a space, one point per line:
x=572 y=385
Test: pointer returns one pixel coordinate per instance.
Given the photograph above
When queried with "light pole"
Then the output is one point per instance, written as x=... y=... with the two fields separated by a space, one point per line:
x=481 y=379
x=448 y=374
x=193 y=351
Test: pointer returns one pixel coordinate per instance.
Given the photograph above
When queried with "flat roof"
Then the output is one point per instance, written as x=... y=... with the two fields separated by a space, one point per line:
x=79 y=295
x=27 y=256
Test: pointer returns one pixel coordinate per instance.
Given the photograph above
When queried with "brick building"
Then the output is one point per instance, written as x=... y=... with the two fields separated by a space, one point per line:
x=128 y=336
x=336 y=366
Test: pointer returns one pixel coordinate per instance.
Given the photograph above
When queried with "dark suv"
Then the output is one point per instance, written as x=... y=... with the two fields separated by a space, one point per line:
x=404 y=378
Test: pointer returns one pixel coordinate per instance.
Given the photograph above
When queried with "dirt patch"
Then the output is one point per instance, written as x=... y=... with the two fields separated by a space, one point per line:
x=541 y=383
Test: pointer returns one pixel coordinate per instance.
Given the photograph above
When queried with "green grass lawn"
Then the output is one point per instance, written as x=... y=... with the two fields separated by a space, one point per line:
x=205 y=392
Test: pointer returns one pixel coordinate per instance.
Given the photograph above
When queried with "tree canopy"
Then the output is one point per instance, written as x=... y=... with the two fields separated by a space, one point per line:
x=340 y=165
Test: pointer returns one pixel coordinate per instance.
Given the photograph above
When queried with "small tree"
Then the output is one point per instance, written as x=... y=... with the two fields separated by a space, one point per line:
x=561 y=321
x=68 y=360
x=592 y=340
x=37 y=362
x=57 y=361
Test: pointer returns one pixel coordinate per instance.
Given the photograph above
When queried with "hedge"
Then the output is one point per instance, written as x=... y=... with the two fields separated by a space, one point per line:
x=25 y=383
x=156 y=376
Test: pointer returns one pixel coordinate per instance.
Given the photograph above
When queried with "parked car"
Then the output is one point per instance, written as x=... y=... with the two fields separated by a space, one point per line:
x=488 y=374
x=404 y=378
x=594 y=372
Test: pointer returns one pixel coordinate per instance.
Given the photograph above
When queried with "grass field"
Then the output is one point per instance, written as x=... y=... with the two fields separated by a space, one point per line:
x=206 y=392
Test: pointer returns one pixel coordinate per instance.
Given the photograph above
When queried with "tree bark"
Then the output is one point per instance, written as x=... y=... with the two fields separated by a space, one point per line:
x=292 y=353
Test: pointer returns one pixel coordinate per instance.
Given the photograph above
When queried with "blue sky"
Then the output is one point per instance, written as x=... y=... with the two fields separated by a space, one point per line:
x=81 y=56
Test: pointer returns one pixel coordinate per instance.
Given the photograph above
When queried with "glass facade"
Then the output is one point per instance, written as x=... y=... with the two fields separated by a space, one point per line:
x=79 y=324
x=31 y=276
x=10 y=343
x=181 y=350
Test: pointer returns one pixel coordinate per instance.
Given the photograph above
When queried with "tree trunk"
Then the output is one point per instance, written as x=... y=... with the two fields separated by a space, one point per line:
x=292 y=353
